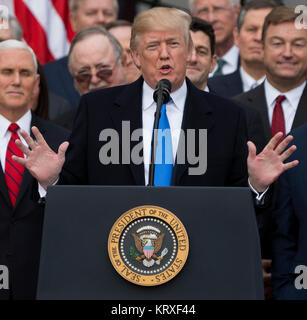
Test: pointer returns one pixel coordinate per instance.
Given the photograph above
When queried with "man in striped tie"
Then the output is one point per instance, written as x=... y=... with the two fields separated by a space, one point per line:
x=21 y=216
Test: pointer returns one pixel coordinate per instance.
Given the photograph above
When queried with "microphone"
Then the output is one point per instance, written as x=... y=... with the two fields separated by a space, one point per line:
x=162 y=91
x=161 y=96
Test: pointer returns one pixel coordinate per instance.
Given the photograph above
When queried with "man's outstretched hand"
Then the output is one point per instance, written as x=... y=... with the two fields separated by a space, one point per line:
x=42 y=162
x=268 y=165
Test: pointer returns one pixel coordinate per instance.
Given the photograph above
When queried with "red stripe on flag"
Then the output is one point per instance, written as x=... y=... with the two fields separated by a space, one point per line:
x=33 y=33
x=62 y=9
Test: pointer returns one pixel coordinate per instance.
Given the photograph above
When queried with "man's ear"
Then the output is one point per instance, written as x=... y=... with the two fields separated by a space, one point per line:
x=213 y=62
x=37 y=82
x=136 y=58
x=236 y=36
x=124 y=59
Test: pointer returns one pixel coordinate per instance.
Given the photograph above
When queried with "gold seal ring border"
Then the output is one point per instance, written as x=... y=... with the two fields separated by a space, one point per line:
x=130 y=275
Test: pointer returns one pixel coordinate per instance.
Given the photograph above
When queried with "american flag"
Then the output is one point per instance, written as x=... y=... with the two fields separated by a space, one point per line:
x=46 y=26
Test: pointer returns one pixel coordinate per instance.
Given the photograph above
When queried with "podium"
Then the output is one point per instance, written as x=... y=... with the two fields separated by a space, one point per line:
x=224 y=260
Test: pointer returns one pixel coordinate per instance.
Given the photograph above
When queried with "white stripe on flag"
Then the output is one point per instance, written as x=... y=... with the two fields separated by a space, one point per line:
x=53 y=25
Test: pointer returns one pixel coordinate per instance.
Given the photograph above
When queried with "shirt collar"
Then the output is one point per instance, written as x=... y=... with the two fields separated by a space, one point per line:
x=231 y=56
x=178 y=96
x=293 y=96
x=249 y=80
x=24 y=123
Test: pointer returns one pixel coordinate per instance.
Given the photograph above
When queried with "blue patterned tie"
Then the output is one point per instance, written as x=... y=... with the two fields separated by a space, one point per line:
x=164 y=154
x=220 y=65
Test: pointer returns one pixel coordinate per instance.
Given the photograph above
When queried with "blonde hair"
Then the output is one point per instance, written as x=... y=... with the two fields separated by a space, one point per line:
x=160 y=19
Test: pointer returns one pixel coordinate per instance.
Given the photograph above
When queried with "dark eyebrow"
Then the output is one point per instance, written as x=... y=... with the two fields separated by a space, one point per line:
x=202 y=47
x=85 y=68
x=277 y=38
x=24 y=69
x=300 y=39
x=99 y=65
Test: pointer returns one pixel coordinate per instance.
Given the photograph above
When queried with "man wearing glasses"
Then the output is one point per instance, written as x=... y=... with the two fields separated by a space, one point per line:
x=222 y=15
x=95 y=62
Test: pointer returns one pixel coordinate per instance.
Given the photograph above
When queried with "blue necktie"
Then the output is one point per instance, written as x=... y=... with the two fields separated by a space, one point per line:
x=164 y=154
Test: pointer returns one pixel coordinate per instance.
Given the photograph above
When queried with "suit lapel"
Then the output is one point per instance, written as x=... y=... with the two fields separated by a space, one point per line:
x=301 y=112
x=197 y=115
x=27 y=179
x=128 y=107
x=236 y=83
x=3 y=189
x=258 y=100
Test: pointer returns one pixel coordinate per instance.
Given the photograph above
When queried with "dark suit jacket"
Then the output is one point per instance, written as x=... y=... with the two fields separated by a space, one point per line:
x=256 y=99
x=107 y=108
x=67 y=118
x=60 y=81
x=228 y=85
x=57 y=106
x=290 y=217
x=21 y=226
x=255 y=132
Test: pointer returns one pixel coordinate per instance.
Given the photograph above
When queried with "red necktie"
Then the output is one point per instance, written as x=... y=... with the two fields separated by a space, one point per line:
x=278 y=121
x=13 y=170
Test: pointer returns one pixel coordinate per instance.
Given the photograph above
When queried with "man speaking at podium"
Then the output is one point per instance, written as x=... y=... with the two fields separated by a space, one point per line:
x=161 y=45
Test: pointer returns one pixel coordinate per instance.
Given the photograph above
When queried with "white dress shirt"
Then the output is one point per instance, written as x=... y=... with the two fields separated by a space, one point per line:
x=174 y=111
x=24 y=123
x=231 y=57
x=248 y=81
x=289 y=105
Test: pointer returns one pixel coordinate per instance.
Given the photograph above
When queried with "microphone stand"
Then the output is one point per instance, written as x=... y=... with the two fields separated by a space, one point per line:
x=154 y=143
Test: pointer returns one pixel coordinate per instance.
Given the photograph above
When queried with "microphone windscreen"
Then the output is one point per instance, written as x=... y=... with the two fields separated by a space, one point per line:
x=164 y=88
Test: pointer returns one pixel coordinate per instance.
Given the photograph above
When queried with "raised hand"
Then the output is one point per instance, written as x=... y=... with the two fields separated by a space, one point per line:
x=268 y=165
x=42 y=162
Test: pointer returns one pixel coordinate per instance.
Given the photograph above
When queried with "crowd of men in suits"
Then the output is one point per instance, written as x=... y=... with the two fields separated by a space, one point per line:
x=246 y=70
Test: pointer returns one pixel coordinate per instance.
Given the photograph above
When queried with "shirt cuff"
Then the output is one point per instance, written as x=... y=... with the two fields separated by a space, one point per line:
x=259 y=196
x=42 y=192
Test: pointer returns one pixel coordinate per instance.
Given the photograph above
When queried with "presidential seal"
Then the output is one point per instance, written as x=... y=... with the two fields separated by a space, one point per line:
x=148 y=245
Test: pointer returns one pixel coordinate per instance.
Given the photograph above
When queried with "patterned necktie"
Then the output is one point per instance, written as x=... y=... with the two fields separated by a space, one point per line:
x=278 y=121
x=220 y=65
x=13 y=170
x=164 y=153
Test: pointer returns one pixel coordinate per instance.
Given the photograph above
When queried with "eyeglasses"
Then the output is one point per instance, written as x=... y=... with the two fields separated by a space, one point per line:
x=102 y=74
